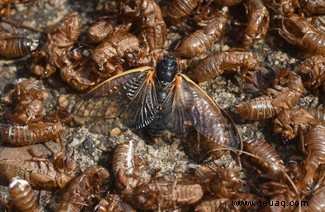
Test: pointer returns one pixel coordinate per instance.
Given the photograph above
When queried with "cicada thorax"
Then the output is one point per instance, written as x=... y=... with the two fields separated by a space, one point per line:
x=166 y=71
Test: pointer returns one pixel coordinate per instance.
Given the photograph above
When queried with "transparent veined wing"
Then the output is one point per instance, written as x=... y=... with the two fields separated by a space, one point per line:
x=187 y=104
x=130 y=95
x=175 y=109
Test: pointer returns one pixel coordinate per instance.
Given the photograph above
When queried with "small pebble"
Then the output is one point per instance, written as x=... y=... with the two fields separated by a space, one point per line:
x=115 y=132
x=88 y=144
x=63 y=101
x=75 y=142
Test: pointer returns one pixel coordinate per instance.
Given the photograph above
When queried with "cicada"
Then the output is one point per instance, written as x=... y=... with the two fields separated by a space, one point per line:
x=158 y=99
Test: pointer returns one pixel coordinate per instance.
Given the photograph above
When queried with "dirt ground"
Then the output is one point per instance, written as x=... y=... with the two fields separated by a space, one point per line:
x=93 y=144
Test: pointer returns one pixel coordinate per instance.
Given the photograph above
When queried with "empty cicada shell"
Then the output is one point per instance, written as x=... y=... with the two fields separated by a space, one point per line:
x=316 y=202
x=109 y=55
x=77 y=69
x=312 y=72
x=179 y=9
x=298 y=31
x=125 y=168
x=102 y=30
x=287 y=90
x=47 y=129
x=281 y=194
x=60 y=38
x=164 y=194
x=220 y=182
x=314 y=143
x=28 y=101
x=113 y=203
x=153 y=27
x=217 y=204
x=215 y=64
x=40 y=172
x=260 y=108
x=284 y=7
x=292 y=122
x=22 y=195
x=15 y=46
x=258 y=21
x=203 y=39
x=82 y=188
x=310 y=7
x=268 y=158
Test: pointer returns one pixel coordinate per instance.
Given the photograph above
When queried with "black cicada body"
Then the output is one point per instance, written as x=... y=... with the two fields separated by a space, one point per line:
x=157 y=99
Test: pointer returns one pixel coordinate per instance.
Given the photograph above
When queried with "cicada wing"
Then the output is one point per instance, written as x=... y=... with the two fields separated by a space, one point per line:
x=129 y=95
x=175 y=108
x=205 y=114
x=142 y=107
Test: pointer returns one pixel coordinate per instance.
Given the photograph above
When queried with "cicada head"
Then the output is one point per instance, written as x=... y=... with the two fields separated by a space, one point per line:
x=166 y=69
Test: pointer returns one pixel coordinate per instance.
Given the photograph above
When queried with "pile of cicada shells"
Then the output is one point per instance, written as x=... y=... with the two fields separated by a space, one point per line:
x=138 y=33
